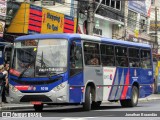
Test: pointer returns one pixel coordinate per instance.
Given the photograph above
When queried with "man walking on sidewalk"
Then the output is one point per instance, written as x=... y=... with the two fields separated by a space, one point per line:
x=3 y=82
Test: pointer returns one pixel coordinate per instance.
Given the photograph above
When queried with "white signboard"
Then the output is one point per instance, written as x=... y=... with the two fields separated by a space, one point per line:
x=3 y=8
x=2 y=25
x=108 y=78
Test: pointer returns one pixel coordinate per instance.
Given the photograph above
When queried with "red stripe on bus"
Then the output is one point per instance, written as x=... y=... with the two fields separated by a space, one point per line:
x=125 y=89
x=22 y=87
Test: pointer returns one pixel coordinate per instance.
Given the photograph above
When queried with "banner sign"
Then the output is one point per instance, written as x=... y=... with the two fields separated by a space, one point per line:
x=52 y=22
x=33 y=19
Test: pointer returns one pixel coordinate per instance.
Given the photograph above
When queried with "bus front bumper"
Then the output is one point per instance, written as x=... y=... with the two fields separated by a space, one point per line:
x=53 y=96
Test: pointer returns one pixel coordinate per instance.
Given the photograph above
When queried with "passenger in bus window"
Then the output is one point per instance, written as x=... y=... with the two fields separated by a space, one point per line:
x=144 y=64
x=94 y=60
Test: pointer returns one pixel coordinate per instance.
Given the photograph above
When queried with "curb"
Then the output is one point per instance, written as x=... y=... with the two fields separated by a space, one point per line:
x=16 y=107
x=31 y=106
x=149 y=99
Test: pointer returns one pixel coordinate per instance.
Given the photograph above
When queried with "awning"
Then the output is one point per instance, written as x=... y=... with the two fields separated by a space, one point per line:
x=109 y=19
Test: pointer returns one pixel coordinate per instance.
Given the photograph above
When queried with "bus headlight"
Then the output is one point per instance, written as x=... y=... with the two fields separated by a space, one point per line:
x=13 y=88
x=59 y=87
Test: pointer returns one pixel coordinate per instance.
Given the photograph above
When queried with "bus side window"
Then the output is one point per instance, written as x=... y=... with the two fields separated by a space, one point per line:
x=75 y=59
x=146 y=59
x=107 y=55
x=134 y=57
x=121 y=56
x=91 y=53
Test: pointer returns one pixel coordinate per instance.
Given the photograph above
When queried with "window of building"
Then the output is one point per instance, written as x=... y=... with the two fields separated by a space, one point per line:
x=108 y=2
x=132 y=19
x=91 y=53
x=143 y=24
x=107 y=55
x=118 y=4
x=134 y=58
x=103 y=1
x=111 y=3
x=121 y=56
x=152 y=2
x=146 y=59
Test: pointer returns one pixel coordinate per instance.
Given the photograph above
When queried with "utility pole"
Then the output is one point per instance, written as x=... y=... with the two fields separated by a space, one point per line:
x=90 y=18
x=156 y=41
x=78 y=10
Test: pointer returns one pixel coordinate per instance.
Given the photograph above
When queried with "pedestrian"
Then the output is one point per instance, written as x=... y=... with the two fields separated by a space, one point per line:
x=6 y=68
x=3 y=82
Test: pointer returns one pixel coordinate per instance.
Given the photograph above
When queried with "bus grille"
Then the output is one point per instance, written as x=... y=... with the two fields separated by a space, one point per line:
x=28 y=98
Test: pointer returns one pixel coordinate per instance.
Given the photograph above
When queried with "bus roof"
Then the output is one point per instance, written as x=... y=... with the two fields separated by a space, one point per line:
x=82 y=36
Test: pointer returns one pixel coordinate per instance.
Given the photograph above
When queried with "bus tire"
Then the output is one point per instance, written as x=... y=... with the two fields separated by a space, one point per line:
x=38 y=108
x=134 y=99
x=95 y=105
x=88 y=99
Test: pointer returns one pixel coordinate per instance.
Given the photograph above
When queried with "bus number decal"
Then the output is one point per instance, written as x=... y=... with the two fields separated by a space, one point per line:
x=44 y=88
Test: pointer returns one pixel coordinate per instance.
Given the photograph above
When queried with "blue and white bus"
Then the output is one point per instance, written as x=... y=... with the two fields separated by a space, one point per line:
x=71 y=69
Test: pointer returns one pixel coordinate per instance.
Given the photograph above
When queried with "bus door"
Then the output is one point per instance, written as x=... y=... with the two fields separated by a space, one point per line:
x=76 y=72
x=93 y=71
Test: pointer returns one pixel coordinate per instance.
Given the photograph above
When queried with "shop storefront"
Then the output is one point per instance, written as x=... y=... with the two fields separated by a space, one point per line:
x=102 y=25
x=31 y=19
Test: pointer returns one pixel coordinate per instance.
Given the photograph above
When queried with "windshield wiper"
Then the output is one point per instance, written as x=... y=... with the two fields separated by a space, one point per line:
x=22 y=73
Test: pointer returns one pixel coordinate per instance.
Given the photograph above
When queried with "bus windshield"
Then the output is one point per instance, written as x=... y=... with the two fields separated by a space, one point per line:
x=40 y=58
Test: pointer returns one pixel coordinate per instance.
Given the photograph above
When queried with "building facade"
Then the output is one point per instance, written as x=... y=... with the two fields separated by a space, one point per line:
x=138 y=22
x=155 y=16
x=3 y=11
x=108 y=18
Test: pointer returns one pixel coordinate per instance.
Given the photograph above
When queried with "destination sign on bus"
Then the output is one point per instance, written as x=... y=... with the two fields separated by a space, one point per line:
x=50 y=69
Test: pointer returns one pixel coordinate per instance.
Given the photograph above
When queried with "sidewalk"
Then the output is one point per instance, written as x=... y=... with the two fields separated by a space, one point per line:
x=9 y=106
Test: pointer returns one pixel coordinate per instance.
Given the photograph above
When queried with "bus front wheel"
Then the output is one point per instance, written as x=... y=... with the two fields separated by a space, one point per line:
x=134 y=99
x=88 y=99
x=38 y=108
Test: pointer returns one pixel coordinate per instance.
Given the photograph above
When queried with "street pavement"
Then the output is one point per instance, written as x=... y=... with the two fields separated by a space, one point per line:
x=10 y=106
